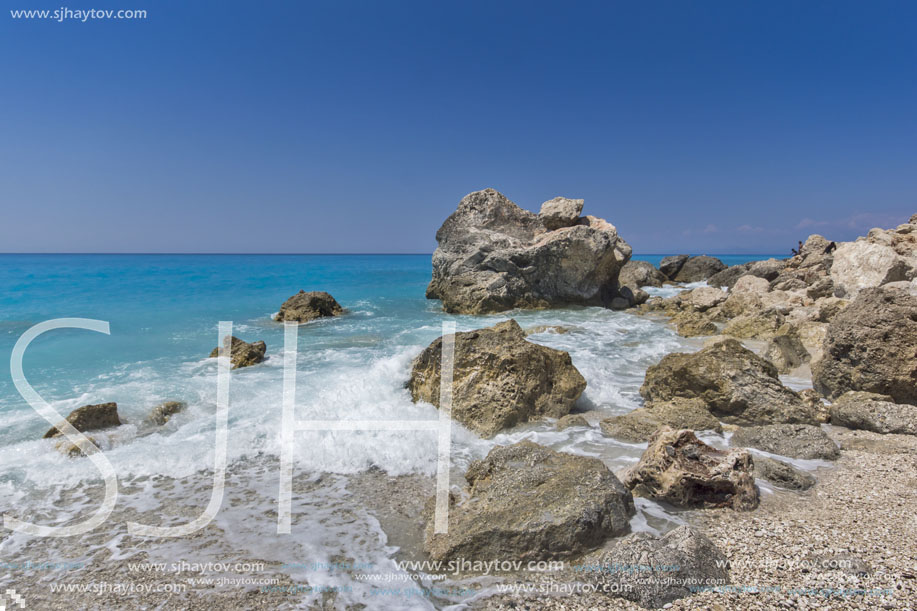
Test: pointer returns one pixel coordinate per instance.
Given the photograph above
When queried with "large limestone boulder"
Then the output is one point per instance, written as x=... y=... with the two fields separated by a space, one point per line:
x=792 y=440
x=872 y=412
x=304 y=307
x=864 y=264
x=528 y=502
x=654 y=571
x=699 y=268
x=494 y=256
x=871 y=345
x=499 y=379
x=639 y=425
x=640 y=273
x=680 y=469
x=737 y=386
x=90 y=418
x=242 y=354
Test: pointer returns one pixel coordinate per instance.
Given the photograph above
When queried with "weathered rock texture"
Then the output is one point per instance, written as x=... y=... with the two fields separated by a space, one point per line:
x=529 y=502
x=680 y=469
x=499 y=379
x=640 y=273
x=639 y=425
x=782 y=474
x=164 y=411
x=654 y=571
x=90 y=418
x=494 y=256
x=304 y=307
x=738 y=386
x=872 y=346
x=242 y=354
x=699 y=268
x=786 y=350
x=874 y=413
x=792 y=440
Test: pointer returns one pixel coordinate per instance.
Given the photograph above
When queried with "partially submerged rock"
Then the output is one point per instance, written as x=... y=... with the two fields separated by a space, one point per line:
x=161 y=414
x=570 y=420
x=640 y=424
x=494 y=256
x=792 y=440
x=499 y=379
x=90 y=418
x=529 y=502
x=654 y=571
x=782 y=474
x=305 y=307
x=872 y=346
x=680 y=469
x=738 y=386
x=242 y=354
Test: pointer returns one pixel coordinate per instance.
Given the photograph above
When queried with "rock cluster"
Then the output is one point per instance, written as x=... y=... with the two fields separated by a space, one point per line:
x=494 y=256
x=529 y=502
x=242 y=354
x=305 y=307
x=499 y=379
x=680 y=469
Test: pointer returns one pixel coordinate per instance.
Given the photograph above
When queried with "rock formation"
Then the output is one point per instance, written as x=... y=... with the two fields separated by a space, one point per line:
x=792 y=440
x=529 y=502
x=737 y=386
x=494 y=256
x=90 y=418
x=161 y=414
x=874 y=412
x=499 y=379
x=242 y=354
x=782 y=474
x=640 y=424
x=304 y=307
x=636 y=274
x=680 y=469
x=872 y=346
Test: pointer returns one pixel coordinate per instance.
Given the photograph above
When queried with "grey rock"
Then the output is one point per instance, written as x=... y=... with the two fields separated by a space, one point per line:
x=499 y=379
x=654 y=571
x=560 y=212
x=792 y=440
x=699 y=268
x=786 y=351
x=637 y=274
x=639 y=425
x=529 y=502
x=738 y=386
x=871 y=345
x=494 y=256
x=570 y=420
x=90 y=418
x=782 y=474
x=882 y=417
x=671 y=265
x=729 y=276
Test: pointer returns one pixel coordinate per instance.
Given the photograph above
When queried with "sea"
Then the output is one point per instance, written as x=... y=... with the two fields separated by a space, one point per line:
x=163 y=313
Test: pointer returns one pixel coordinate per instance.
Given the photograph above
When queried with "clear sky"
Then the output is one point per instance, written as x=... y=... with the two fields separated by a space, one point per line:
x=357 y=126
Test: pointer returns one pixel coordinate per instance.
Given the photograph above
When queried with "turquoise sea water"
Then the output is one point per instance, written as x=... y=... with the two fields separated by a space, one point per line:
x=164 y=312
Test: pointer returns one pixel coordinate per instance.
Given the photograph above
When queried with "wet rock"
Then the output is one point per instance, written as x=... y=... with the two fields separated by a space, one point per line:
x=782 y=474
x=671 y=265
x=792 y=440
x=494 y=256
x=560 y=212
x=872 y=346
x=640 y=424
x=557 y=329
x=786 y=350
x=570 y=420
x=654 y=571
x=738 y=386
x=854 y=411
x=164 y=411
x=680 y=469
x=639 y=274
x=242 y=354
x=699 y=268
x=90 y=418
x=529 y=502
x=305 y=307
x=77 y=450
x=499 y=379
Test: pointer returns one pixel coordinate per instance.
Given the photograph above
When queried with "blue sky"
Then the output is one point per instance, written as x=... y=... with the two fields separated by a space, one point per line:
x=346 y=126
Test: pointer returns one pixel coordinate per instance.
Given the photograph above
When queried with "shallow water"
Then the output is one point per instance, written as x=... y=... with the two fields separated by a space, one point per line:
x=164 y=311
